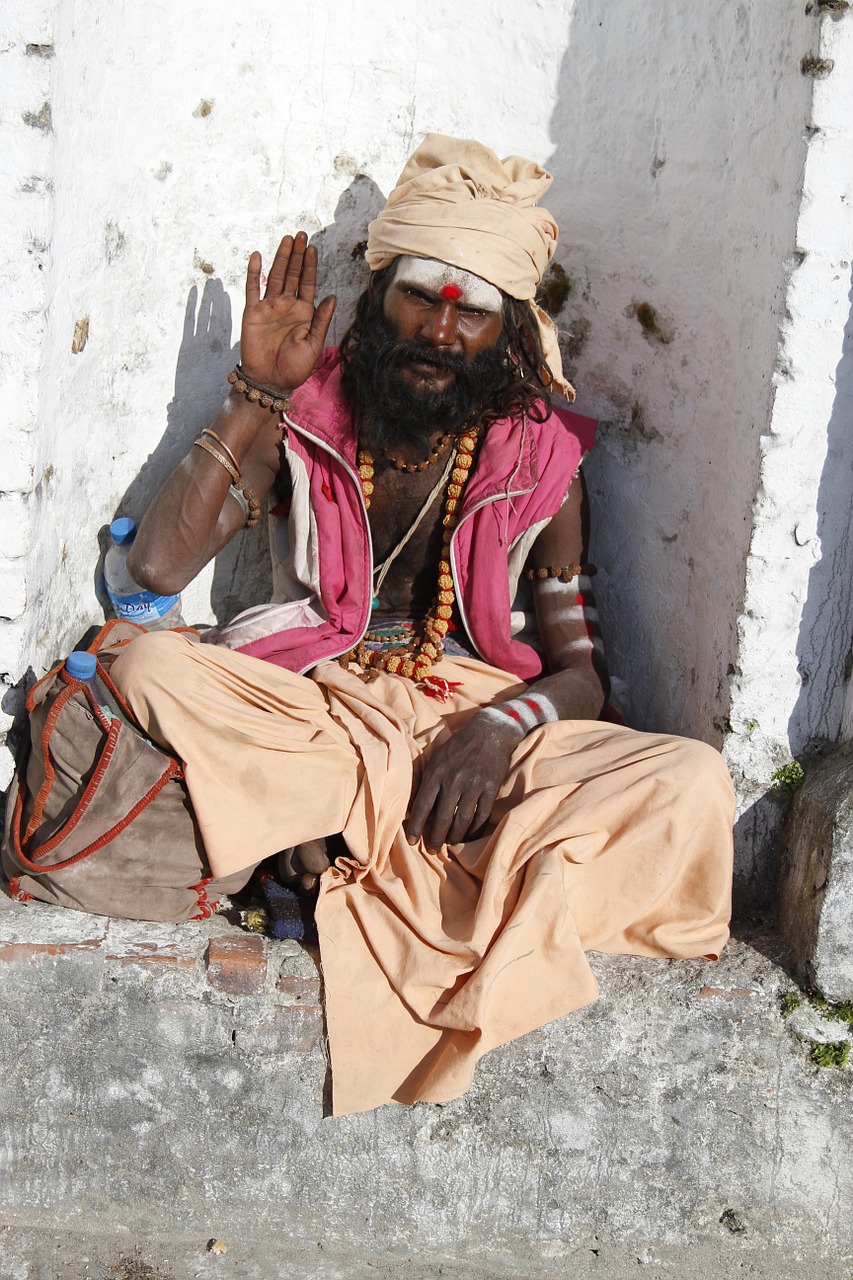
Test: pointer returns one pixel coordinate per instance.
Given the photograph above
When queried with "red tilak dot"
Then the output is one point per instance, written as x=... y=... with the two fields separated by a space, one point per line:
x=452 y=292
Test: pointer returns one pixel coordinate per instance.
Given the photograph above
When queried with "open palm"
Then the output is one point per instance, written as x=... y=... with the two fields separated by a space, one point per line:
x=283 y=333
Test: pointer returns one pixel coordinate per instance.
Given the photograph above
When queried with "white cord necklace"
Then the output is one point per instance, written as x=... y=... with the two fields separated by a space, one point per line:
x=380 y=573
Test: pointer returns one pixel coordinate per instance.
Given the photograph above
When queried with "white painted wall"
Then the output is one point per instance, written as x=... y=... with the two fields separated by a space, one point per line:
x=184 y=135
x=26 y=167
x=796 y=626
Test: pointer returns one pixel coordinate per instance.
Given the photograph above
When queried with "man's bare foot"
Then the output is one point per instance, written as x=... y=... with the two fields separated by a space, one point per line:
x=300 y=868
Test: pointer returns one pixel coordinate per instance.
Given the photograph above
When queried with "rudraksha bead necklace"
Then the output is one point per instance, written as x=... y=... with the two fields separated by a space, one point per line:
x=434 y=454
x=419 y=653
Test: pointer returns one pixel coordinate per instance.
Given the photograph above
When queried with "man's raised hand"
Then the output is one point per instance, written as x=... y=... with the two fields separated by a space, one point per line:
x=283 y=334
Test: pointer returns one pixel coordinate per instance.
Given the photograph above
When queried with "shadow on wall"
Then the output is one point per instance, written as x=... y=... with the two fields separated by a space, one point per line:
x=241 y=574
x=583 y=162
x=825 y=642
x=672 y=489
x=758 y=852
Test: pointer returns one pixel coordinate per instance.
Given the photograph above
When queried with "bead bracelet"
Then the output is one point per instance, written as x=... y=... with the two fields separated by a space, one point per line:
x=256 y=393
x=565 y=572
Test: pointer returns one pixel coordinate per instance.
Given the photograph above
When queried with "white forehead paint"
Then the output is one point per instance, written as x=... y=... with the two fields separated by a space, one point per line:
x=451 y=282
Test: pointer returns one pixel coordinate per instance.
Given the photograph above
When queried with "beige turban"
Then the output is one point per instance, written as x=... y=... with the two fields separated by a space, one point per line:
x=457 y=202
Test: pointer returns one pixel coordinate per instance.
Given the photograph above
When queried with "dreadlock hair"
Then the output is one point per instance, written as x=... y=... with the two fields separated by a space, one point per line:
x=525 y=390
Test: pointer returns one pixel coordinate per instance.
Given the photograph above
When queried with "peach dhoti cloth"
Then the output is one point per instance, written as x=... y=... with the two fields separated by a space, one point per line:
x=601 y=838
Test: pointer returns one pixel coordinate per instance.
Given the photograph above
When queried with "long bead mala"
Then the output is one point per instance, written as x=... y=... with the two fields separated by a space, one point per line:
x=416 y=658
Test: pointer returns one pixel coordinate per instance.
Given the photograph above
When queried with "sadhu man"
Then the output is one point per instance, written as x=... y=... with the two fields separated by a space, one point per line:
x=426 y=683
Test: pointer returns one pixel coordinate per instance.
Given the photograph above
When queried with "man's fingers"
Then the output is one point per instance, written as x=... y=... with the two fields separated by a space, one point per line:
x=293 y=274
x=444 y=819
x=280 y=263
x=307 y=283
x=253 y=279
x=481 y=815
x=421 y=809
x=322 y=319
x=462 y=820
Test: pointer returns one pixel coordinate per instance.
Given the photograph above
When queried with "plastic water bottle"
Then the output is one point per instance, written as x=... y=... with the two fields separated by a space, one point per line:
x=82 y=665
x=131 y=602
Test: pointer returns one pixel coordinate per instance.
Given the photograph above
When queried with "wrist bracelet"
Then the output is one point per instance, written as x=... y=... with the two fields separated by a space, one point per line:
x=220 y=458
x=257 y=393
x=208 y=431
x=252 y=508
x=527 y=712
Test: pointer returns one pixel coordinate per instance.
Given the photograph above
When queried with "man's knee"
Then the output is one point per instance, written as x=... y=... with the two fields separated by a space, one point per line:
x=698 y=767
x=155 y=658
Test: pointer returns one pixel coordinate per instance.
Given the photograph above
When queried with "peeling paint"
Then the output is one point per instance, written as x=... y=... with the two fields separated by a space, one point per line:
x=36 y=185
x=573 y=340
x=41 y=119
x=819 y=68
x=115 y=241
x=654 y=326
x=81 y=335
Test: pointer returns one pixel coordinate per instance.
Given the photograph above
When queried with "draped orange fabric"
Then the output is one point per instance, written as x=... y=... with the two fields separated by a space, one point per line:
x=602 y=838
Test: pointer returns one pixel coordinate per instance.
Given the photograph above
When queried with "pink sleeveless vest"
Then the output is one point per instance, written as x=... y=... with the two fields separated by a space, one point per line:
x=523 y=473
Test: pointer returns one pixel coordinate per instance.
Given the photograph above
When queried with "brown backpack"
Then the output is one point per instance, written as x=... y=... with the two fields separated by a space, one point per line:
x=98 y=816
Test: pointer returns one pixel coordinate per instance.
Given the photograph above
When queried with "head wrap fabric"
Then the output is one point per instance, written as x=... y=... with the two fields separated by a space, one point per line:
x=457 y=202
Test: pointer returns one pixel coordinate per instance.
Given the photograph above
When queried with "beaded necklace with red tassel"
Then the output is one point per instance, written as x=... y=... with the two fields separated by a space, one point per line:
x=415 y=659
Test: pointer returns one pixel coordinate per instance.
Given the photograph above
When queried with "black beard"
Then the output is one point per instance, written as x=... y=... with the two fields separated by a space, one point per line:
x=394 y=413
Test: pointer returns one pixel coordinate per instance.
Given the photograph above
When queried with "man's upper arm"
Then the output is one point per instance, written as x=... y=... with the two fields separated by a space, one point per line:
x=565 y=611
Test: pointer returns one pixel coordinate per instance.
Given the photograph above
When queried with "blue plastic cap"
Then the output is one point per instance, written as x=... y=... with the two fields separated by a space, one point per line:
x=81 y=665
x=123 y=531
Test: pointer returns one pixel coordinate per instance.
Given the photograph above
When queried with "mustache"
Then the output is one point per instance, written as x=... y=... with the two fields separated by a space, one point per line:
x=437 y=357
x=395 y=412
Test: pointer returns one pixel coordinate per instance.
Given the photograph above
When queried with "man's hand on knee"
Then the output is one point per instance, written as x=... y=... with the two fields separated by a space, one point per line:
x=460 y=782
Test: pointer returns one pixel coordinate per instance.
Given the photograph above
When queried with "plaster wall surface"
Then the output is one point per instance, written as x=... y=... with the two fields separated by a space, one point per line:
x=178 y=138
x=26 y=183
x=679 y=147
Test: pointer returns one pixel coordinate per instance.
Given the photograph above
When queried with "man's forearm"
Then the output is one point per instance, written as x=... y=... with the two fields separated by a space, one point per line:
x=566 y=695
x=192 y=517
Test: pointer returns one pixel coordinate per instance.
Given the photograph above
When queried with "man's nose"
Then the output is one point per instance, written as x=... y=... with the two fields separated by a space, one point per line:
x=439 y=327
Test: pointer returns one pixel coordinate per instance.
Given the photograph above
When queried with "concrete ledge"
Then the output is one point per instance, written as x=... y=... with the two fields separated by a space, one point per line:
x=171 y=1080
